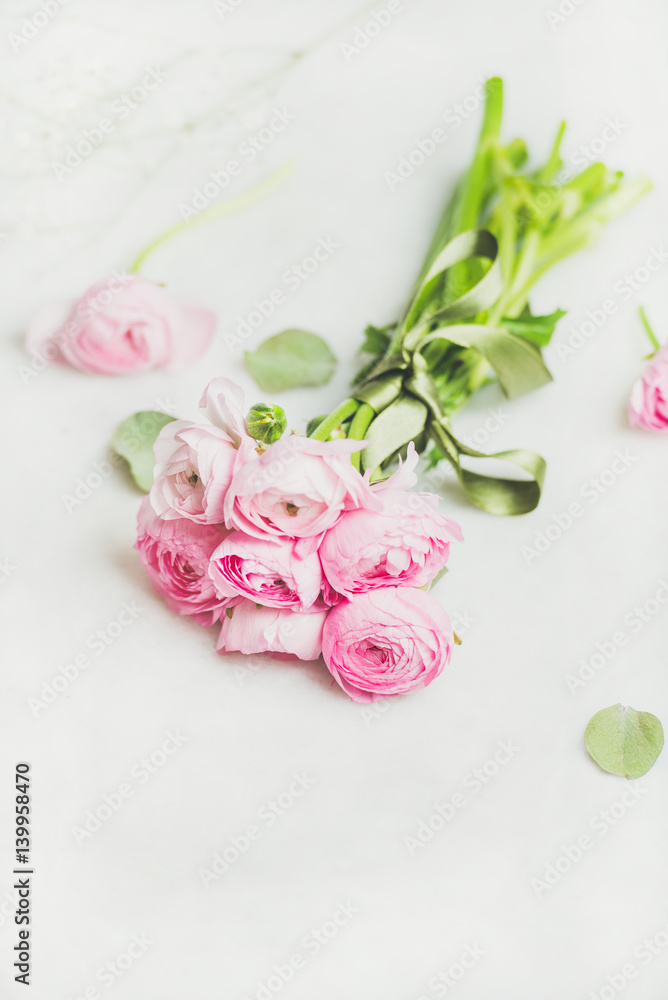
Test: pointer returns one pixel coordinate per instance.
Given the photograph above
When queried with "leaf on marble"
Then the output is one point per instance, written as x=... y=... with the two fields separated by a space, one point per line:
x=134 y=440
x=291 y=359
x=623 y=741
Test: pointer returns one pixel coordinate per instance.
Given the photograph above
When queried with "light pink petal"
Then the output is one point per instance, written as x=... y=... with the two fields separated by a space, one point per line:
x=223 y=404
x=193 y=339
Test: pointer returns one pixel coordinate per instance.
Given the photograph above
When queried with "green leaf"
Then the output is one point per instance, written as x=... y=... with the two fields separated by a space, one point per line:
x=376 y=339
x=400 y=422
x=134 y=440
x=537 y=329
x=290 y=359
x=623 y=741
x=517 y=362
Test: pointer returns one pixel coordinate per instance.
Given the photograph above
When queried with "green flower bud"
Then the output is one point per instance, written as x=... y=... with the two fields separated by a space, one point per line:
x=266 y=423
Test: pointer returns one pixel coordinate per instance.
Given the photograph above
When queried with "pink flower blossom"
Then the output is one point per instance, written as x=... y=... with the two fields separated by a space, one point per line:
x=405 y=543
x=297 y=487
x=648 y=405
x=267 y=571
x=249 y=629
x=195 y=462
x=386 y=642
x=194 y=468
x=122 y=325
x=176 y=556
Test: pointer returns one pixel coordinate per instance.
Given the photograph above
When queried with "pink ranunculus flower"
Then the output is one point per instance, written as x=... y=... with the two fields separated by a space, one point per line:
x=648 y=405
x=297 y=487
x=249 y=629
x=405 y=543
x=176 y=556
x=386 y=642
x=266 y=570
x=122 y=325
x=194 y=468
x=195 y=462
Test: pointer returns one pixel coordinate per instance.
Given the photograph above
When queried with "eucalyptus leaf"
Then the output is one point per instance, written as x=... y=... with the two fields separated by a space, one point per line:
x=290 y=359
x=133 y=441
x=623 y=741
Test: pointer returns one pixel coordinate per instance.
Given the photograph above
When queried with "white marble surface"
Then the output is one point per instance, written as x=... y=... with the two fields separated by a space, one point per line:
x=526 y=622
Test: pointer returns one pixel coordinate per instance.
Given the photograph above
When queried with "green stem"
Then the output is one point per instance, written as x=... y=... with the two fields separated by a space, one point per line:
x=474 y=187
x=336 y=417
x=648 y=329
x=359 y=425
x=244 y=200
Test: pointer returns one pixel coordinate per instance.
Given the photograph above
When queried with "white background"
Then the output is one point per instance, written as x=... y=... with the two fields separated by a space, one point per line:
x=531 y=620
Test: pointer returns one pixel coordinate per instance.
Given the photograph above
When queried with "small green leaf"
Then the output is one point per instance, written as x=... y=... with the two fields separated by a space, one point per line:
x=376 y=339
x=134 y=440
x=537 y=329
x=290 y=359
x=623 y=741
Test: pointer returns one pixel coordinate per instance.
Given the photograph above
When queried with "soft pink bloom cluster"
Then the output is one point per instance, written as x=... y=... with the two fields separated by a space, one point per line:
x=122 y=325
x=648 y=405
x=295 y=552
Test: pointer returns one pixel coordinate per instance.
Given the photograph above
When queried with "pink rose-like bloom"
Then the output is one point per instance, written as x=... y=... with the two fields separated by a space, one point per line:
x=195 y=462
x=194 y=466
x=648 y=405
x=249 y=629
x=386 y=642
x=176 y=556
x=266 y=571
x=122 y=325
x=297 y=487
x=405 y=543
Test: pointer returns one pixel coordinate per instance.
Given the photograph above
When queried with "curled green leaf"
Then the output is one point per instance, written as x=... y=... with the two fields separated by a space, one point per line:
x=623 y=741
x=291 y=359
x=133 y=441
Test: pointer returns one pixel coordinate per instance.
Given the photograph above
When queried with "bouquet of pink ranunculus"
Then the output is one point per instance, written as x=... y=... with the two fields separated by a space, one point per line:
x=295 y=552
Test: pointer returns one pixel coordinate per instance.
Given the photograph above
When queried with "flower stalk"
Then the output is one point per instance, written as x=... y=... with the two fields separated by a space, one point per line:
x=468 y=320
